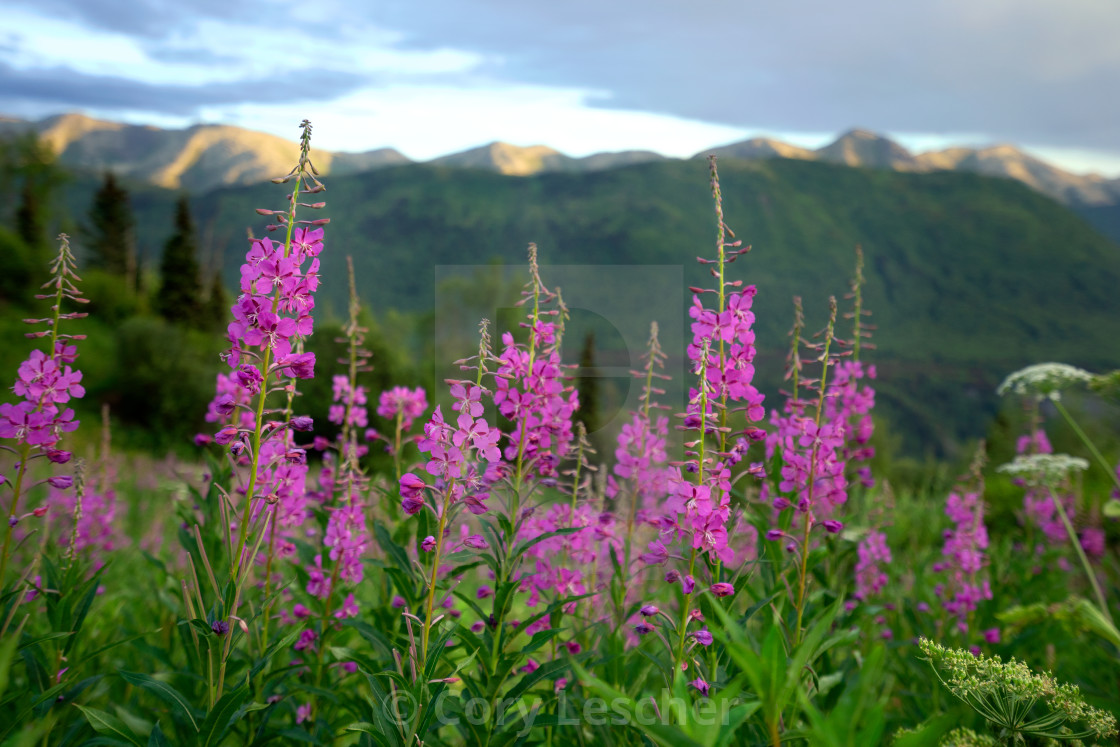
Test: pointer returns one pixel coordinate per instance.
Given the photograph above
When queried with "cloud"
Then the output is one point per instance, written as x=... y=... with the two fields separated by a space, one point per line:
x=153 y=19
x=1035 y=72
x=1030 y=70
x=64 y=87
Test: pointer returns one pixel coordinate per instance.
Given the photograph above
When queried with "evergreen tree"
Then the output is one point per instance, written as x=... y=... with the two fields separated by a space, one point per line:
x=111 y=231
x=180 y=290
x=588 y=387
x=33 y=166
x=30 y=223
x=216 y=308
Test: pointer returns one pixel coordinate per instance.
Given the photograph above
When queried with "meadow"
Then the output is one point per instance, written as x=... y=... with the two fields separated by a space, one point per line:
x=473 y=565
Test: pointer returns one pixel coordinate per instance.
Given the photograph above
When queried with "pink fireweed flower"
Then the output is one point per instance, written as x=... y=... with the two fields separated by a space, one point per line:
x=409 y=404
x=347 y=399
x=349 y=608
x=963 y=557
x=346 y=537
x=848 y=405
x=722 y=589
x=873 y=555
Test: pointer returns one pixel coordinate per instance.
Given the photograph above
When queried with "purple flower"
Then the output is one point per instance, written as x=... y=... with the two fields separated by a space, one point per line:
x=306 y=640
x=60 y=481
x=302 y=423
x=349 y=608
x=703 y=637
x=476 y=542
x=722 y=589
x=249 y=378
x=408 y=403
x=428 y=543
x=220 y=627
x=299 y=365
x=412 y=493
x=57 y=456
x=643 y=628
x=833 y=527
x=227 y=435
x=649 y=610
x=701 y=685
x=991 y=635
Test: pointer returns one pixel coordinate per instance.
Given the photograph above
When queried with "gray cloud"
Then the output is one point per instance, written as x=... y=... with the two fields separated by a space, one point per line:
x=153 y=19
x=64 y=87
x=1034 y=71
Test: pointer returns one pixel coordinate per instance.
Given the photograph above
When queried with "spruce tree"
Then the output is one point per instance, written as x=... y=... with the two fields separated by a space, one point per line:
x=588 y=387
x=180 y=290
x=34 y=166
x=216 y=308
x=111 y=230
x=30 y=223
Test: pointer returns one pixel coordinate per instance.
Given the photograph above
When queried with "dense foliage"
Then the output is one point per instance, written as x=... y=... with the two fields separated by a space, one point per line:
x=469 y=571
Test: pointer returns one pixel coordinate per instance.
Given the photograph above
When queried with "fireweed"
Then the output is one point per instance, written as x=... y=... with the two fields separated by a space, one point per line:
x=271 y=318
x=694 y=525
x=86 y=523
x=1049 y=472
x=531 y=581
x=338 y=567
x=641 y=479
x=813 y=480
x=964 y=552
x=46 y=382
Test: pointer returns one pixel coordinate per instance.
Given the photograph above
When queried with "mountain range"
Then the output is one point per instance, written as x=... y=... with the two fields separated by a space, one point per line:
x=204 y=157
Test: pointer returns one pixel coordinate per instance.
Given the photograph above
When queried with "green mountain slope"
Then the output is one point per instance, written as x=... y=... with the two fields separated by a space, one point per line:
x=968 y=277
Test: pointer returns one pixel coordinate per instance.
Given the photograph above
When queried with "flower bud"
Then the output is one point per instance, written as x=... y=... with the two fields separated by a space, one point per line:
x=722 y=589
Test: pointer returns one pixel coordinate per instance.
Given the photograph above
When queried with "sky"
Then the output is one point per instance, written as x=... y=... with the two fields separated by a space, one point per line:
x=431 y=77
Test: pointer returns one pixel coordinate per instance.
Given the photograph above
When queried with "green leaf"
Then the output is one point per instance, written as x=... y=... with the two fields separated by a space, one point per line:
x=1111 y=508
x=529 y=679
x=7 y=654
x=391 y=548
x=164 y=691
x=156 y=738
x=108 y=724
x=218 y=721
x=526 y=544
x=269 y=652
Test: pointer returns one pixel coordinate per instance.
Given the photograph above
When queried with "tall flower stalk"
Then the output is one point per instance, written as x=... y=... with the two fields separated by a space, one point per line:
x=46 y=382
x=271 y=318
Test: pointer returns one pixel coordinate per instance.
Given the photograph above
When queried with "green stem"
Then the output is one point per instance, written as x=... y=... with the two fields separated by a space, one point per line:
x=432 y=584
x=17 y=489
x=397 y=445
x=1076 y=542
x=1085 y=440
x=804 y=568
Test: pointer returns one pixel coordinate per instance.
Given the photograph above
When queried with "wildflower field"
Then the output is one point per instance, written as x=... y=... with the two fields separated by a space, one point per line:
x=464 y=567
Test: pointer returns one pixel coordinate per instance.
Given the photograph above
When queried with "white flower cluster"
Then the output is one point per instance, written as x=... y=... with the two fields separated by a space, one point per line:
x=1012 y=697
x=1043 y=469
x=1044 y=380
